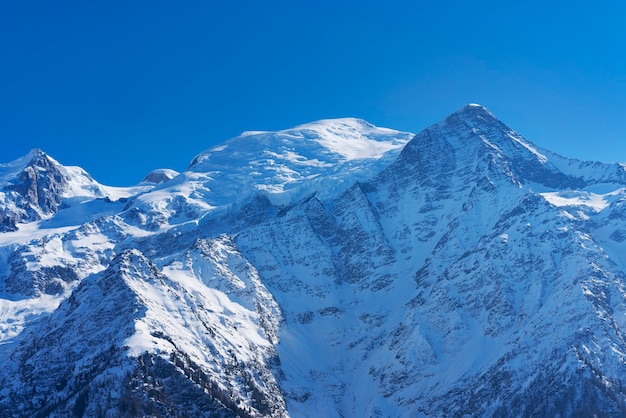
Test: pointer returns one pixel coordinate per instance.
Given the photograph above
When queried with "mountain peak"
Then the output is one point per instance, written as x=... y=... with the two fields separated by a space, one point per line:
x=336 y=123
x=472 y=113
x=35 y=186
x=160 y=175
x=278 y=163
x=344 y=138
x=330 y=269
x=36 y=153
x=473 y=140
x=9 y=171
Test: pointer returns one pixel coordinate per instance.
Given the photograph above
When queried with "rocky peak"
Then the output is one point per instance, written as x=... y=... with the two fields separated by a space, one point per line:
x=473 y=141
x=36 y=155
x=32 y=187
x=474 y=114
x=36 y=186
x=41 y=183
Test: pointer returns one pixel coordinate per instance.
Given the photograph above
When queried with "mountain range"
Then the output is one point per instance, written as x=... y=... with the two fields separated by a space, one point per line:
x=333 y=269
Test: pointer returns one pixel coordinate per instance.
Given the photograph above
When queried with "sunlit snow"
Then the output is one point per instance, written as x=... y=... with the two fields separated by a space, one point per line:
x=324 y=271
x=597 y=202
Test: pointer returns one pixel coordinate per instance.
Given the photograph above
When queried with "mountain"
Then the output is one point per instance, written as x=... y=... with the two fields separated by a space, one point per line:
x=35 y=186
x=160 y=175
x=331 y=269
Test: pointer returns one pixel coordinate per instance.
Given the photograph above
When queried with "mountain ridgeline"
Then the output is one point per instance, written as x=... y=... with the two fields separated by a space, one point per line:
x=334 y=269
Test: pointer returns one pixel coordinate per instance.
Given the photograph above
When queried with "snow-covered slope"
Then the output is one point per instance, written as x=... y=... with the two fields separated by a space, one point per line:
x=92 y=349
x=323 y=157
x=333 y=269
x=160 y=175
x=36 y=187
x=33 y=187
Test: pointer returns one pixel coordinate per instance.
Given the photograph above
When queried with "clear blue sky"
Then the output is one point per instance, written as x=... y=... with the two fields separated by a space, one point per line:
x=123 y=87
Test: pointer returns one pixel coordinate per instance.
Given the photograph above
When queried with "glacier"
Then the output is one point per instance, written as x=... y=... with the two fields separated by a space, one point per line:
x=332 y=269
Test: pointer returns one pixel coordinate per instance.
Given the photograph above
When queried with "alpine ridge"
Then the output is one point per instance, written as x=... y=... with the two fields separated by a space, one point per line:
x=332 y=269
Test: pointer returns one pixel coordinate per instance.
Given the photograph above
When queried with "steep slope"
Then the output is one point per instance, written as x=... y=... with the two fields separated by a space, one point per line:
x=37 y=187
x=324 y=156
x=34 y=186
x=459 y=286
x=333 y=269
x=132 y=342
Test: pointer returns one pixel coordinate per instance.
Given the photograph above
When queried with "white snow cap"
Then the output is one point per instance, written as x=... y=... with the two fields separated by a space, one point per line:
x=160 y=175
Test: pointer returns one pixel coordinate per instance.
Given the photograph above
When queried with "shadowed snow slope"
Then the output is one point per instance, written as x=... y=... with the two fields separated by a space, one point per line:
x=333 y=269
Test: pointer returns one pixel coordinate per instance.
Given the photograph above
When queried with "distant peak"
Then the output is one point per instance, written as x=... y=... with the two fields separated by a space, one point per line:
x=474 y=114
x=160 y=176
x=36 y=154
x=337 y=122
x=474 y=109
x=33 y=154
x=33 y=157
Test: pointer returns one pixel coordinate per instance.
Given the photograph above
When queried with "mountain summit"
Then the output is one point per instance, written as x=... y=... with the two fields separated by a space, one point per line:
x=333 y=269
x=322 y=157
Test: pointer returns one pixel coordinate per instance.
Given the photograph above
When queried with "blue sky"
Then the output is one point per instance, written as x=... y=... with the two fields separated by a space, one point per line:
x=123 y=87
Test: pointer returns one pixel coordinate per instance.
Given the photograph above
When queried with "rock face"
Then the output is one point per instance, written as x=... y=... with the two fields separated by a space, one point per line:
x=97 y=351
x=35 y=191
x=35 y=186
x=464 y=273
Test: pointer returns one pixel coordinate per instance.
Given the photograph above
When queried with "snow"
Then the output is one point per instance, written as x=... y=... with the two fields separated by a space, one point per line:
x=9 y=171
x=160 y=175
x=243 y=134
x=16 y=315
x=352 y=139
x=597 y=202
x=31 y=231
x=408 y=294
x=81 y=184
x=520 y=140
x=117 y=193
x=322 y=157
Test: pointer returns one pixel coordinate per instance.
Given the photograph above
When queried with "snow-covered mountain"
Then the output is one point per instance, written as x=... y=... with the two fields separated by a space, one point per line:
x=333 y=269
x=34 y=187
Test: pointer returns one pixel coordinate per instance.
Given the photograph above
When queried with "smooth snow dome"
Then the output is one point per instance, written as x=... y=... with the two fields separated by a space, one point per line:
x=160 y=175
x=277 y=162
x=348 y=138
x=351 y=138
x=9 y=171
